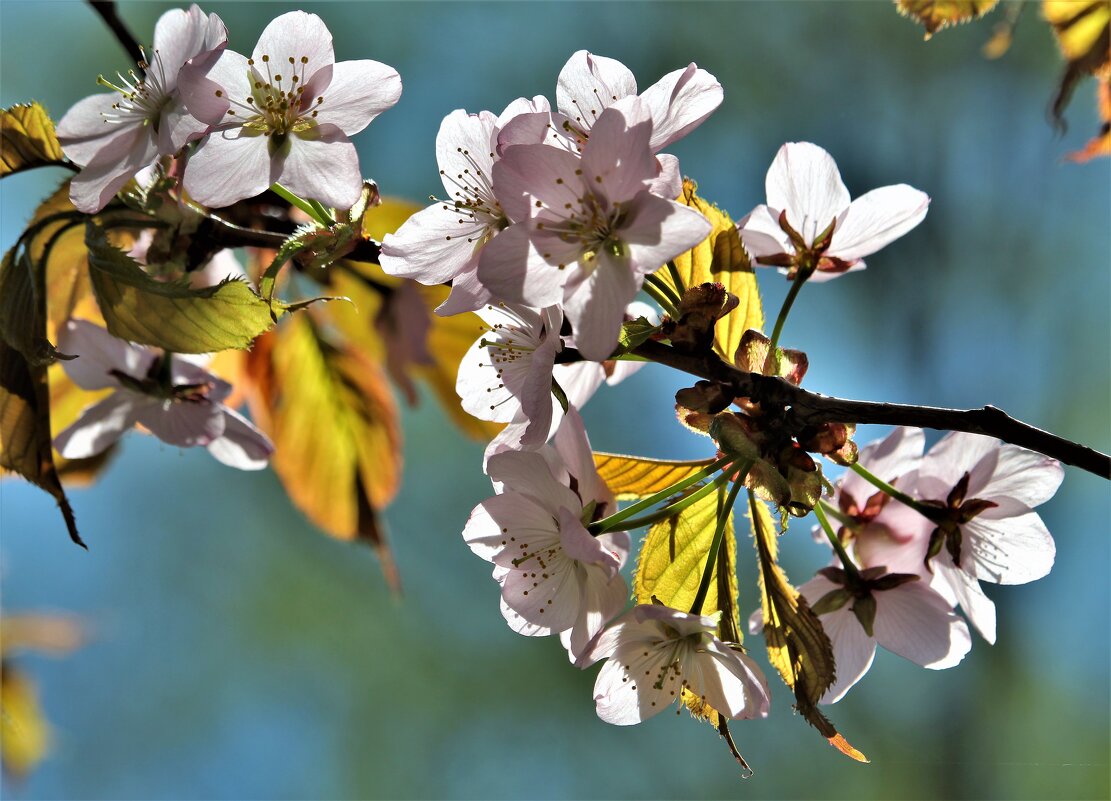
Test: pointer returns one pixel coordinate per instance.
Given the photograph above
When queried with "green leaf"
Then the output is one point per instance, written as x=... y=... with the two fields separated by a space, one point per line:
x=633 y=477
x=634 y=333
x=171 y=314
x=27 y=139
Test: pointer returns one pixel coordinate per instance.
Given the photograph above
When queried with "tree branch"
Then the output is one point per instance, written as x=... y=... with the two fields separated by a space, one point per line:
x=107 y=11
x=805 y=408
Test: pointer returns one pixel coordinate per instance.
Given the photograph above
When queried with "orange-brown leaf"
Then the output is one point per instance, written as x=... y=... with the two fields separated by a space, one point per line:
x=632 y=477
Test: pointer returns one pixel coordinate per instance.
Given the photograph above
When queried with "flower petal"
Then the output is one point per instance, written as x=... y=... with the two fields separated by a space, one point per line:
x=876 y=219
x=916 y=623
x=731 y=682
x=853 y=649
x=98 y=353
x=656 y=230
x=617 y=162
x=588 y=84
x=83 y=131
x=1012 y=550
x=1024 y=476
x=241 y=446
x=804 y=181
x=596 y=308
x=512 y=269
x=359 y=92
x=431 y=247
x=229 y=166
x=295 y=35
x=323 y=167
x=99 y=426
x=966 y=591
x=182 y=423
x=679 y=102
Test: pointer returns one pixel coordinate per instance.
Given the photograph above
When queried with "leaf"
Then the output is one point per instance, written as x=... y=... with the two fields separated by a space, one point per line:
x=1099 y=145
x=1083 y=33
x=24 y=732
x=720 y=259
x=798 y=647
x=933 y=15
x=171 y=314
x=334 y=425
x=669 y=570
x=634 y=333
x=22 y=317
x=25 y=443
x=27 y=139
x=632 y=477
x=45 y=633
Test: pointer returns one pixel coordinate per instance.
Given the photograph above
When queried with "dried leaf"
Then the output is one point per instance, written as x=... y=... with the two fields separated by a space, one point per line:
x=933 y=15
x=720 y=259
x=27 y=139
x=632 y=477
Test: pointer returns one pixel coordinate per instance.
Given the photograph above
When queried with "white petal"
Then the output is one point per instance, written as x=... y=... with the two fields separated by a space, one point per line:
x=896 y=454
x=545 y=592
x=432 y=246
x=596 y=308
x=359 y=91
x=182 y=423
x=876 y=219
x=679 y=102
x=656 y=230
x=966 y=591
x=295 y=35
x=731 y=682
x=588 y=84
x=954 y=455
x=1023 y=475
x=511 y=268
x=98 y=427
x=853 y=649
x=528 y=473
x=242 y=445
x=229 y=166
x=804 y=181
x=324 y=167
x=916 y=623
x=761 y=235
x=624 y=697
x=1012 y=550
x=617 y=162
x=98 y=352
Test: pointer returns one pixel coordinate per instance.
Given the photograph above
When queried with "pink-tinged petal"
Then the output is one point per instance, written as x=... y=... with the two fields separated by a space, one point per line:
x=954 y=455
x=890 y=458
x=804 y=181
x=668 y=182
x=83 y=131
x=853 y=649
x=185 y=424
x=617 y=162
x=876 y=219
x=761 y=235
x=507 y=440
x=544 y=593
x=959 y=587
x=467 y=294
x=602 y=599
x=544 y=175
x=656 y=230
x=179 y=36
x=359 y=92
x=241 y=446
x=596 y=308
x=890 y=543
x=1024 y=476
x=537 y=401
x=324 y=166
x=99 y=426
x=176 y=127
x=522 y=105
x=117 y=163
x=528 y=474
x=679 y=102
x=518 y=623
x=579 y=545
x=588 y=84
x=229 y=166
x=916 y=623
x=98 y=353
x=431 y=247
x=511 y=268
x=465 y=151
x=820 y=276
x=208 y=85
x=625 y=697
x=482 y=533
x=579 y=380
x=506 y=527
x=295 y=35
x=573 y=448
x=1013 y=550
x=731 y=681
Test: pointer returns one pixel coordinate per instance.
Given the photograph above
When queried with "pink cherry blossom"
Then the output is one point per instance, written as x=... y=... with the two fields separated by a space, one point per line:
x=809 y=222
x=593 y=229
x=655 y=652
x=554 y=576
x=182 y=408
x=908 y=619
x=114 y=136
x=284 y=115
x=442 y=242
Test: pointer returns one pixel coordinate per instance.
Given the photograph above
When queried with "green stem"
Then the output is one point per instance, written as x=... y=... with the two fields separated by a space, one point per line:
x=607 y=523
x=842 y=554
x=676 y=279
x=784 y=310
x=658 y=295
x=304 y=205
x=838 y=515
x=715 y=544
x=325 y=216
x=902 y=497
x=671 y=509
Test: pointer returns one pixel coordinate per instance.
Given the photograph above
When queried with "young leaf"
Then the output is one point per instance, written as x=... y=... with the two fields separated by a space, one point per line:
x=171 y=314
x=798 y=647
x=27 y=139
x=632 y=477
x=669 y=569
x=334 y=425
x=720 y=259
x=933 y=15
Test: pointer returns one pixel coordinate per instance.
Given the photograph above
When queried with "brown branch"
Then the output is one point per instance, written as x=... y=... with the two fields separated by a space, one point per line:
x=107 y=12
x=805 y=408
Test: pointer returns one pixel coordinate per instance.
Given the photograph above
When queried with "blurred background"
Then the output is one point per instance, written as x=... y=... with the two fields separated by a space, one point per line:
x=238 y=653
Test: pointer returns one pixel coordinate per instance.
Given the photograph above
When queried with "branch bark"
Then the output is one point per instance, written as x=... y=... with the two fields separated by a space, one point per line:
x=810 y=408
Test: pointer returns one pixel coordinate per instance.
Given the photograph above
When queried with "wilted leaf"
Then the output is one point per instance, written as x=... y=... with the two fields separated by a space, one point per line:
x=1100 y=145
x=798 y=647
x=672 y=560
x=24 y=732
x=171 y=314
x=333 y=421
x=631 y=477
x=720 y=259
x=27 y=139
x=933 y=15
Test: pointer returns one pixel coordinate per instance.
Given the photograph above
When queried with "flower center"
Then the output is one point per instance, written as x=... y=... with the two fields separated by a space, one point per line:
x=141 y=99
x=277 y=105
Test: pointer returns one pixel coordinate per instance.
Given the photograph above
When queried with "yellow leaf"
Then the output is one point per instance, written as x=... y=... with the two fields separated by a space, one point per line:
x=1099 y=145
x=24 y=732
x=934 y=15
x=632 y=477
x=798 y=647
x=27 y=139
x=720 y=259
x=669 y=570
x=334 y=424
x=1080 y=28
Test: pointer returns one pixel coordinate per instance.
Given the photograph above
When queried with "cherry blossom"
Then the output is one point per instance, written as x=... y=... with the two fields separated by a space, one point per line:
x=179 y=403
x=810 y=225
x=554 y=576
x=284 y=115
x=655 y=652
x=897 y=611
x=114 y=136
x=594 y=215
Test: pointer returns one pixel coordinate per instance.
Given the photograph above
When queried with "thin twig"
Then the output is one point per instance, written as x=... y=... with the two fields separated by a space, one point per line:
x=107 y=12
